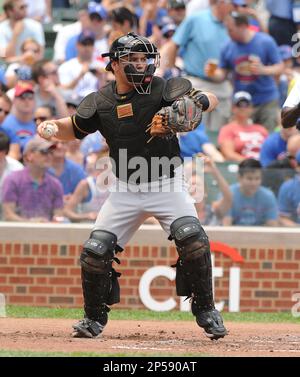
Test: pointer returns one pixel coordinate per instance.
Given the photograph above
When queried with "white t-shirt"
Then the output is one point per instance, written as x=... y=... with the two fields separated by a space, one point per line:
x=32 y=29
x=70 y=70
x=196 y=5
x=294 y=97
x=62 y=38
x=101 y=46
x=36 y=8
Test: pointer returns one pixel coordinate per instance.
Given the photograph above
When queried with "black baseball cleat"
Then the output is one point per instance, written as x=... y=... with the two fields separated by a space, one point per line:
x=87 y=328
x=212 y=323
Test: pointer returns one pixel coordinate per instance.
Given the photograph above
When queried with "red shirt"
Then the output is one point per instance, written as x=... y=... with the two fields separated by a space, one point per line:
x=247 y=140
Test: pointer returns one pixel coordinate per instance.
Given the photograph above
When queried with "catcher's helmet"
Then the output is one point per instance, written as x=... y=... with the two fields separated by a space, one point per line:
x=130 y=44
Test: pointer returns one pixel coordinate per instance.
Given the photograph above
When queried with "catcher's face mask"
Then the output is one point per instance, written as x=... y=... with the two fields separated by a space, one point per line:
x=139 y=58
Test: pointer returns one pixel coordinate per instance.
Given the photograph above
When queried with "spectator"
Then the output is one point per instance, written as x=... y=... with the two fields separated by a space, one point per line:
x=289 y=199
x=40 y=10
x=66 y=171
x=149 y=14
x=5 y=107
x=22 y=70
x=73 y=147
x=252 y=204
x=17 y=28
x=210 y=214
x=92 y=142
x=163 y=32
x=281 y=170
x=68 y=31
x=289 y=75
x=32 y=194
x=193 y=6
x=75 y=75
x=72 y=102
x=281 y=23
x=177 y=10
x=98 y=17
x=241 y=138
x=200 y=38
x=255 y=11
x=123 y=20
x=7 y=164
x=48 y=91
x=19 y=125
x=290 y=113
x=197 y=141
x=254 y=59
x=87 y=199
x=43 y=113
x=275 y=146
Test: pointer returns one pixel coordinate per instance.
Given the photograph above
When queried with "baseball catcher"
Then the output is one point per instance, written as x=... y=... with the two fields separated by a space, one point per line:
x=123 y=111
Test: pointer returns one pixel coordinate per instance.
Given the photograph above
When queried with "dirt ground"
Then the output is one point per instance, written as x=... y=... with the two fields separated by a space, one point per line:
x=155 y=338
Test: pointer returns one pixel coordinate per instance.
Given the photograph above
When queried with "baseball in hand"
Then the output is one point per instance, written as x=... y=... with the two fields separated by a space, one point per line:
x=49 y=129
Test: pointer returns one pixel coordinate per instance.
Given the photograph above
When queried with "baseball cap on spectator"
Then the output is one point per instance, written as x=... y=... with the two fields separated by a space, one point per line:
x=38 y=144
x=177 y=4
x=72 y=100
x=242 y=98
x=240 y=3
x=98 y=9
x=22 y=88
x=286 y=52
x=168 y=30
x=86 y=36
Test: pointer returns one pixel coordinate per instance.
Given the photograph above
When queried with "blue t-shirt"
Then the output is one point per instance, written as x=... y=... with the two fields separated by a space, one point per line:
x=280 y=8
x=73 y=173
x=289 y=199
x=201 y=37
x=273 y=148
x=191 y=143
x=235 y=57
x=254 y=210
x=71 y=48
x=18 y=132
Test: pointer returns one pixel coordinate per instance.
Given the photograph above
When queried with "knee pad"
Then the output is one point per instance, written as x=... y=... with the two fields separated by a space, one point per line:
x=193 y=268
x=190 y=238
x=98 y=252
x=99 y=280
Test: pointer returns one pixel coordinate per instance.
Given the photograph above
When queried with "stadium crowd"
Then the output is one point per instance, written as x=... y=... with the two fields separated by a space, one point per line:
x=244 y=51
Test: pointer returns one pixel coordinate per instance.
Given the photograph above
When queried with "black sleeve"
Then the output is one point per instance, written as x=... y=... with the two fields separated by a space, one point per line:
x=82 y=127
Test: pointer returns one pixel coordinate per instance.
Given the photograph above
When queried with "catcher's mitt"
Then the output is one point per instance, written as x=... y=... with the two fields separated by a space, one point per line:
x=183 y=116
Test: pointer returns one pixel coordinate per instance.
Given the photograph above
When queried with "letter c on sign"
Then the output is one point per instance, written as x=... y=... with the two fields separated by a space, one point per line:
x=144 y=289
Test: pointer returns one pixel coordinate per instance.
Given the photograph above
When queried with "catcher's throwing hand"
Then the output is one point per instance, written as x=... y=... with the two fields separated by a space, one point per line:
x=183 y=116
x=47 y=129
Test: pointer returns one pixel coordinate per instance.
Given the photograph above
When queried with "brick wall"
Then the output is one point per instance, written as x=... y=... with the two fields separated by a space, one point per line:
x=44 y=273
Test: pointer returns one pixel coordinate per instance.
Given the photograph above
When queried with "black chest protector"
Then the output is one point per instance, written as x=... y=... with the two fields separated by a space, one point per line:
x=124 y=120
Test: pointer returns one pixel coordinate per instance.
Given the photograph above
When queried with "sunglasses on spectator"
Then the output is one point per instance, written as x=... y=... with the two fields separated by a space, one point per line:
x=243 y=104
x=4 y=111
x=88 y=42
x=26 y=95
x=45 y=151
x=42 y=119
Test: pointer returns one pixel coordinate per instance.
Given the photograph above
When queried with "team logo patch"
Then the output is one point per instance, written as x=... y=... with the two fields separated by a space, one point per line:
x=125 y=111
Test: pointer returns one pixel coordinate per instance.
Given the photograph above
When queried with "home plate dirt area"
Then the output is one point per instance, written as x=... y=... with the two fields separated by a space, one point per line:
x=153 y=338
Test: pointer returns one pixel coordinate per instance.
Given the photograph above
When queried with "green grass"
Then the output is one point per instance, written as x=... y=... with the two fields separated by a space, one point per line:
x=40 y=312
